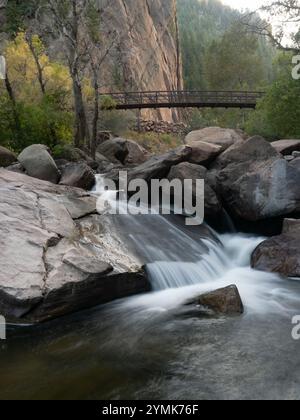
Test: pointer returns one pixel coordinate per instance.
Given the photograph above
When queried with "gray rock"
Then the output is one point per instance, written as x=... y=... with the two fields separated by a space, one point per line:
x=78 y=175
x=39 y=164
x=186 y=170
x=158 y=167
x=296 y=155
x=204 y=153
x=286 y=147
x=256 y=182
x=7 y=157
x=289 y=158
x=215 y=135
x=126 y=152
x=50 y=265
x=17 y=167
x=226 y=301
x=295 y=163
x=280 y=254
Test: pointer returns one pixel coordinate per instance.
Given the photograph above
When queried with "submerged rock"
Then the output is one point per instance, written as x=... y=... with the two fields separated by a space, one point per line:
x=225 y=301
x=280 y=254
x=52 y=264
x=39 y=164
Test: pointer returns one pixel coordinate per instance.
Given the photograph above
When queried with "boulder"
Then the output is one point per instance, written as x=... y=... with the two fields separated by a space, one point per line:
x=256 y=182
x=126 y=152
x=204 y=153
x=7 y=157
x=186 y=170
x=158 y=167
x=296 y=163
x=223 y=137
x=226 y=301
x=52 y=264
x=286 y=147
x=78 y=175
x=17 y=167
x=280 y=254
x=38 y=163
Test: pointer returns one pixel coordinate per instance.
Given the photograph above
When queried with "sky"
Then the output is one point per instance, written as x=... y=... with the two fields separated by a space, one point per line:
x=244 y=4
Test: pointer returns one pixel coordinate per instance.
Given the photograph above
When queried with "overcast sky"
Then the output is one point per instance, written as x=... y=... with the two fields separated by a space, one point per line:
x=244 y=4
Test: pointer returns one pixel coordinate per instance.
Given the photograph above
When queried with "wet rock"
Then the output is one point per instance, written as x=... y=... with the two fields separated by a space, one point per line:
x=215 y=135
x=280 y=254
x=226 y=301
x=78 y=175
x=286 y=147
x=50 y=263
x=39 y=164
x=7 y=157
x=186 y=170
x=126 y=152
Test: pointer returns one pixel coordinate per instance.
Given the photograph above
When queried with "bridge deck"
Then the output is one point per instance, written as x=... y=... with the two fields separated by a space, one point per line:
x=185 y=99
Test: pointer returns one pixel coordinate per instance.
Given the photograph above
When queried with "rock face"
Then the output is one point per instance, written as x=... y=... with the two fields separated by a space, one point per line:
x=78 y=175
x=186 y=170
x=7 y=157
x=158 y=167
x=204 y=153
x=225 y=301
x=255 y=181
x=126 y=152
x=55 y=259
x=215 y=135
x=280 y=254
x=286 y=147
x=39 y=164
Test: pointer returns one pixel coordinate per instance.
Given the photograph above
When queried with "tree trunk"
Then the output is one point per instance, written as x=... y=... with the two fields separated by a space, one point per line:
x=10 y=92
x=95 y=118
x=81 y=129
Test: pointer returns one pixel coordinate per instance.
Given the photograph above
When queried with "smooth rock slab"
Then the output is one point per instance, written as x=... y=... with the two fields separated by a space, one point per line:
x=222 y=137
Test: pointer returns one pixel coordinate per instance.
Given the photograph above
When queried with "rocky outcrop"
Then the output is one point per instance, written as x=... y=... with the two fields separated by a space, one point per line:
x=256 y=182
x=78 y=175
x=56 y=256
x=158 y=167
x=7 y=157
x=123 y=151
x=215 y=135
x=286 y=147
x=204 y=153
x=38 y=163
x=160 y=127
x=226 y=301
x=280 y=254
x=186 y=170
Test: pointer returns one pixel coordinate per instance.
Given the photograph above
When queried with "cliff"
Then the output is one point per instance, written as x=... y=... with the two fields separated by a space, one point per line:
x=146 y=57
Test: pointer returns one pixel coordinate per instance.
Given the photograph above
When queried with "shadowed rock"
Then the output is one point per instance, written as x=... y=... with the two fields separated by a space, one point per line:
x=78 y=175
x=7 y=157
x=286 y=147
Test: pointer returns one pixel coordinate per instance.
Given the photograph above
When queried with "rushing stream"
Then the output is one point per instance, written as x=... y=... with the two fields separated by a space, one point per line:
x=152 y=346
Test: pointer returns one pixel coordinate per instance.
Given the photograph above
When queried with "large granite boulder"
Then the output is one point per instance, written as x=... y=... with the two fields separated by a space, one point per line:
x=223 y=137
x=56 y=256
x=256 y=182
x=280 y=254
x=186 y=170
x=286 y=147
x=38 y=163
x=204 y=153
x=225 y=301
x=78 y=175
x=158 y=167
x=7 y=157
x=126 y=152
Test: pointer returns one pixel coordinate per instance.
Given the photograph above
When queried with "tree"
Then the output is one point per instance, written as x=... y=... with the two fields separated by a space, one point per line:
x=282 y=26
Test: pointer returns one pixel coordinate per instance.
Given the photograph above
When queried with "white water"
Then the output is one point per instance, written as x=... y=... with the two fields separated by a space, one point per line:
x=181 y=266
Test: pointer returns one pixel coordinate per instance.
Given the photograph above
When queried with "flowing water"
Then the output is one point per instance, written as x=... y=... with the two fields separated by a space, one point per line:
x=153 y=346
